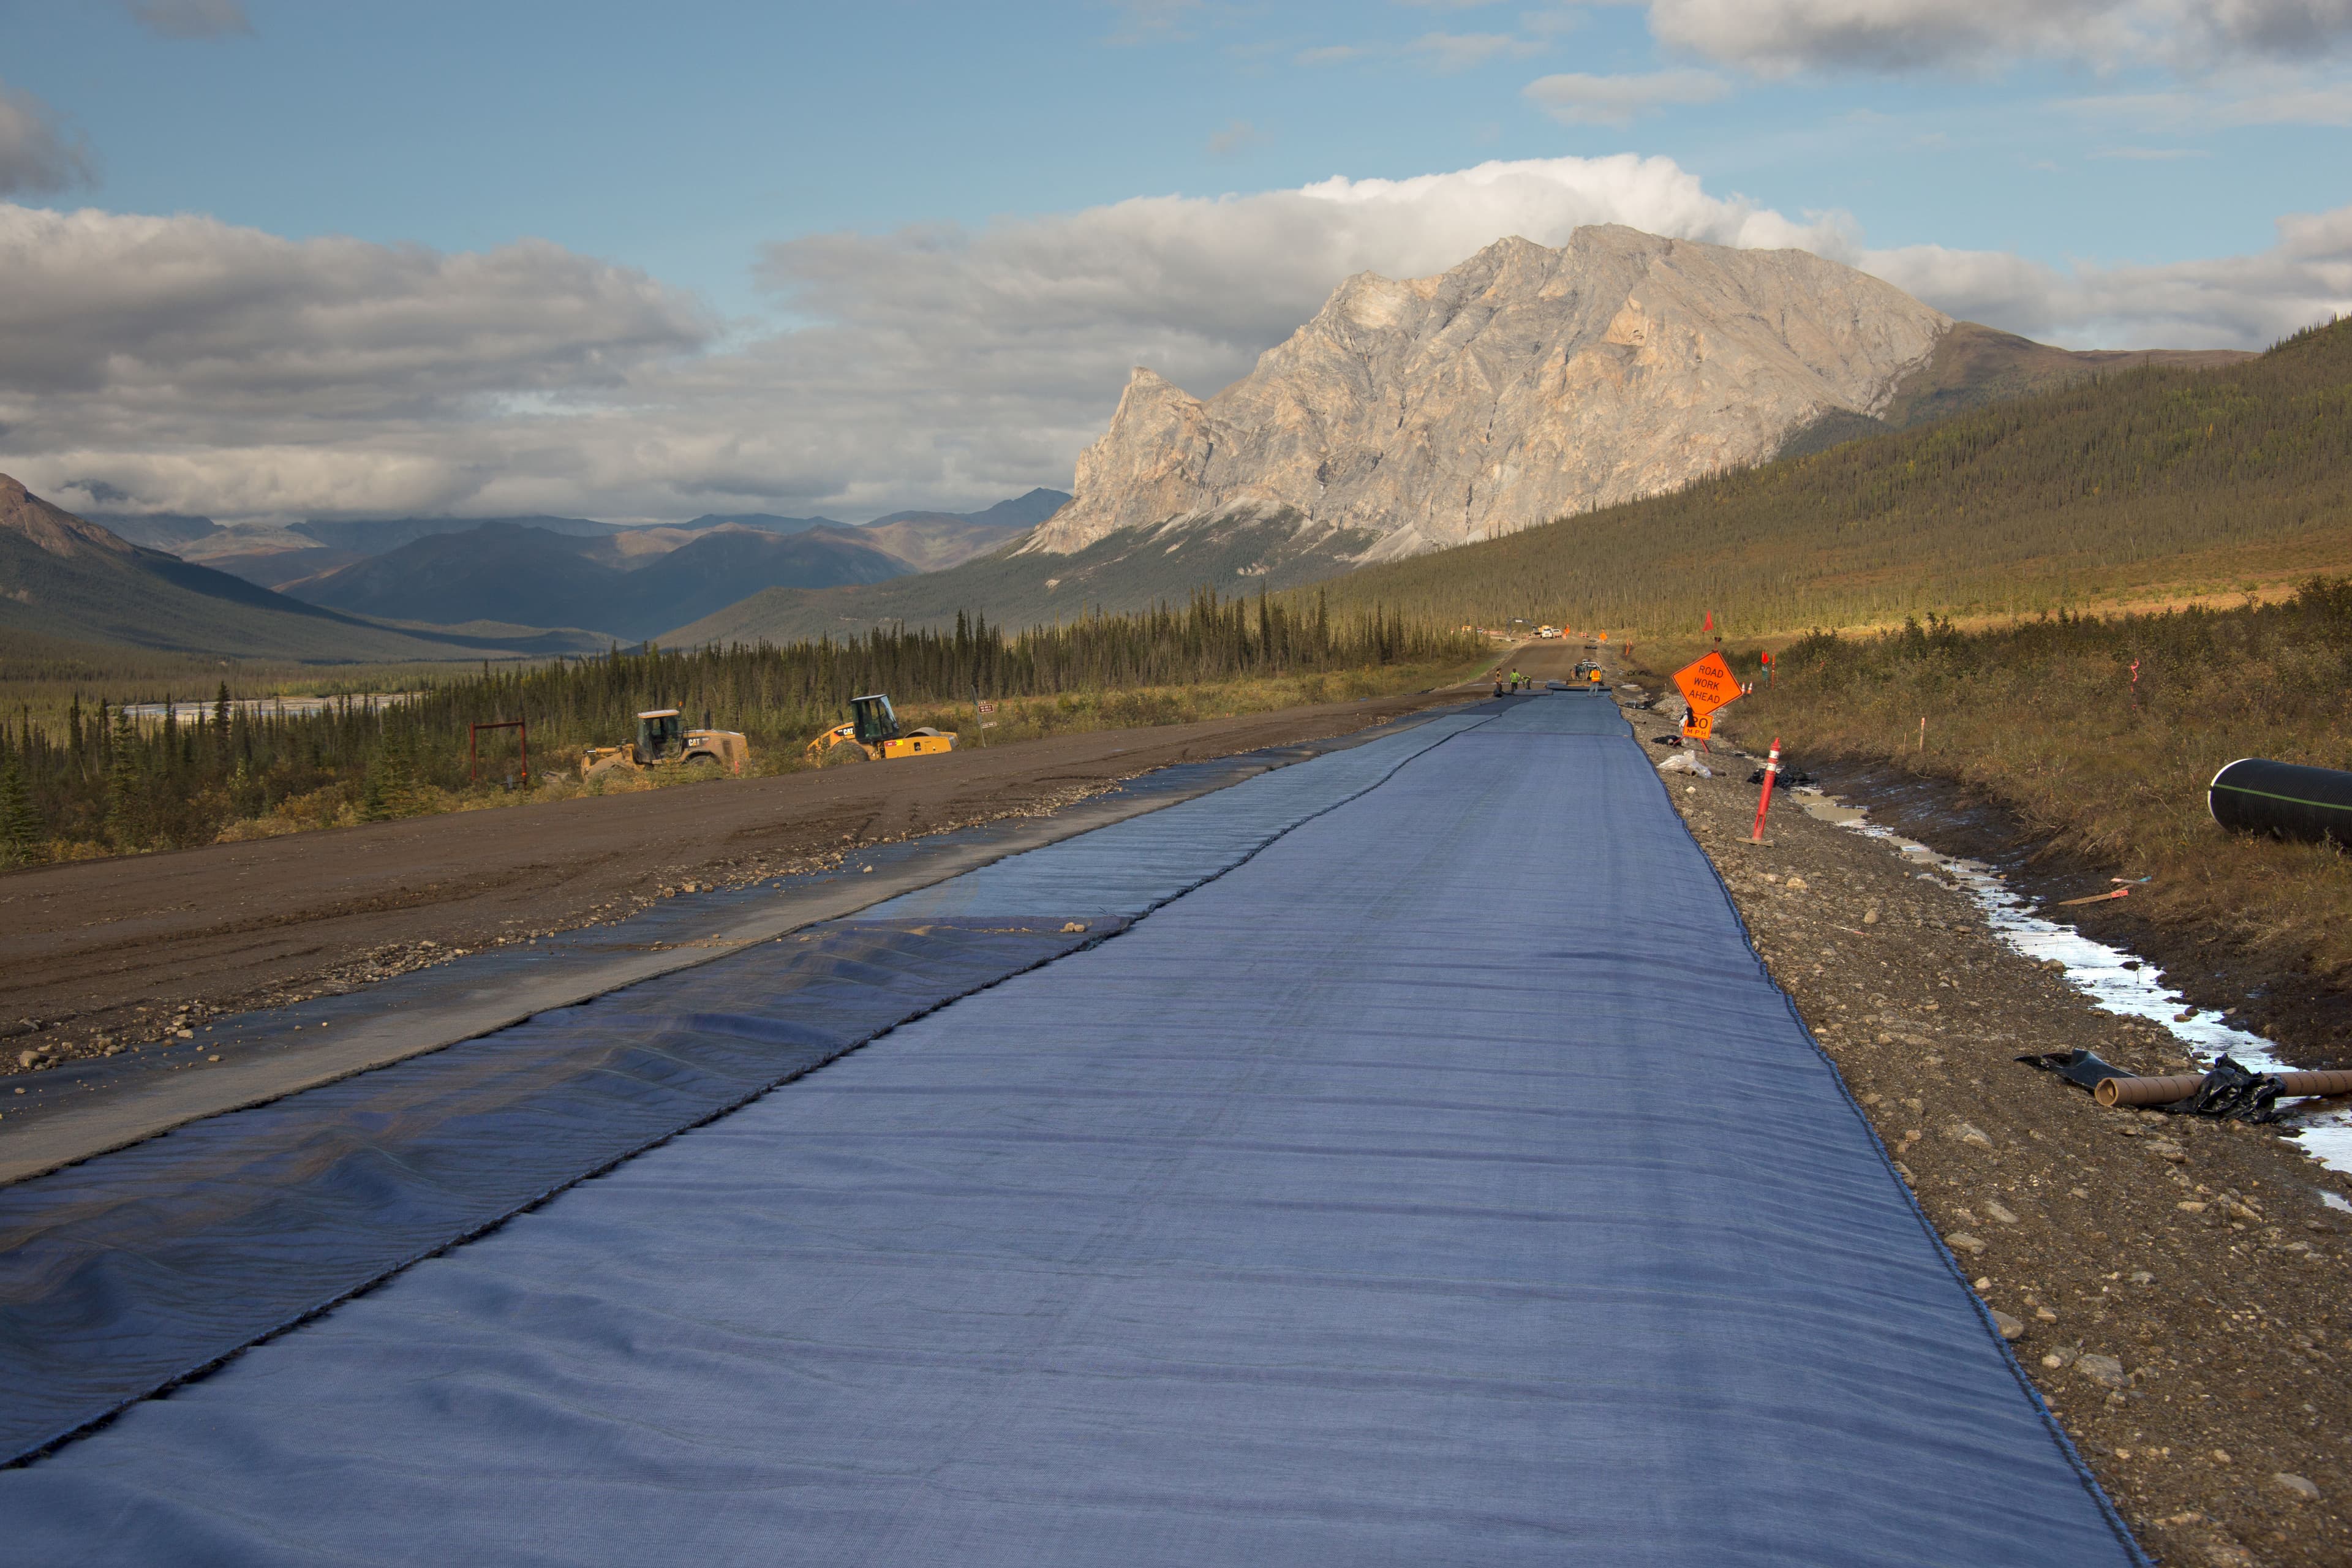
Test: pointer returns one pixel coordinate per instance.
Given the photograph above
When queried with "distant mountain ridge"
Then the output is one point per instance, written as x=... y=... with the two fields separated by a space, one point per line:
x=765 y=520
x=378 y=536
x=157 y=530
x=64 y=576
x=520 y=573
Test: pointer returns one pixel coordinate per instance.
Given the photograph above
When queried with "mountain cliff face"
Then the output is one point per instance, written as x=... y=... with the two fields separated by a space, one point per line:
x=1523 y=385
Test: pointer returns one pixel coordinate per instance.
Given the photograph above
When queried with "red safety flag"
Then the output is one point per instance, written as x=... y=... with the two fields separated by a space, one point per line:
x=1710 y=622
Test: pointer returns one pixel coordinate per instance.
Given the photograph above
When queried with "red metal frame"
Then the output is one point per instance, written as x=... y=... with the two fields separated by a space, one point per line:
x=473 y=747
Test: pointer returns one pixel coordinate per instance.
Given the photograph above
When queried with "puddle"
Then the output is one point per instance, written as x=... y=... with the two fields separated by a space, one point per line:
x=2115 y=980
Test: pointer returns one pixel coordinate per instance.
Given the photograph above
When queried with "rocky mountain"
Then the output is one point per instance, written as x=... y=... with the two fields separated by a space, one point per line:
x=1529 y=384
x=1523 y=385
x=64 y=576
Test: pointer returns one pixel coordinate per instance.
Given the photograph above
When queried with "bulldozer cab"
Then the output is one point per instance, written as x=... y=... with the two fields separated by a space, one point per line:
x=874 y=719
x=661 y=734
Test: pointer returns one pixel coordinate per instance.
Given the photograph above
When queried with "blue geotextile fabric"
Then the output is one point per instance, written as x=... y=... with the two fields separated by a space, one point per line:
x=1335 y=1212
x=122 y=1273
x=1136 y=865
x=486 y=972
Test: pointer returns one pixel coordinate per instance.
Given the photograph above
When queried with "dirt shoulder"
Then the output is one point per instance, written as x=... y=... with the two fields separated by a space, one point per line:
x=2301 y=1013
x=2181 y=1288
x=98 y=955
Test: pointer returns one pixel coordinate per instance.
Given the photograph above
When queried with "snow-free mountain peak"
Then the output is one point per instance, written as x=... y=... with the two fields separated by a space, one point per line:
x=1525 y=385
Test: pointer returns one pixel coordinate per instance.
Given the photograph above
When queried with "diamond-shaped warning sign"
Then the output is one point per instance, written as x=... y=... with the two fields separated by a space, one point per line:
x=1708 y=684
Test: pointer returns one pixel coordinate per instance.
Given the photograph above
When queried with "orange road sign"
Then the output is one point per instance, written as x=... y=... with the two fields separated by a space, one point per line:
x=1708 y=684
x=1699 y=727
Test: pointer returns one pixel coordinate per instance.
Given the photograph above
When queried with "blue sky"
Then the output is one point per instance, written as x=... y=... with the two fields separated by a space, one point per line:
x=744 y=174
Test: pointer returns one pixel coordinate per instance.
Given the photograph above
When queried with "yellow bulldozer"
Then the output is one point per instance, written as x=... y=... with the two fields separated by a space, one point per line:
x=664 y=742
x=873 y=734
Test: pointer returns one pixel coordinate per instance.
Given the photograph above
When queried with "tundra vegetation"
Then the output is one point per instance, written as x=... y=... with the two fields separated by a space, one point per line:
x=2044 y=716
x=78 y=777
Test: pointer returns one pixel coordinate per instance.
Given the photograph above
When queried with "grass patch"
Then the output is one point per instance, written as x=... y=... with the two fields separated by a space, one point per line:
x=2041 y=716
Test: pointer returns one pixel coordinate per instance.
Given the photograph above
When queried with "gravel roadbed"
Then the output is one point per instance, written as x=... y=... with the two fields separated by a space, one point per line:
x=2180 y=1290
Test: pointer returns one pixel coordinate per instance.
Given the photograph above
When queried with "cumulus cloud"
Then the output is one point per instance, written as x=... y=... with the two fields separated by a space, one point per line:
x=1779 y=37
x=35 y=153
x=138 y=336
x=1577 y=100
x=191 y=18
x=204 y=368
x=2232 y=301
x=242 y=321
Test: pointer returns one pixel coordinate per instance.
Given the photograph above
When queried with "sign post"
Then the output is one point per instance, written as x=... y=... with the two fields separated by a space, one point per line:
x=1772 y=771
x=474 y=747
x=1707 y=685
x=980 y=712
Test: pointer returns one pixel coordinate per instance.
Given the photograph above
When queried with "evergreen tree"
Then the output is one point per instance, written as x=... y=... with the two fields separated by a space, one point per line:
x=20 y=823
x=126 y=787
x=220 y=730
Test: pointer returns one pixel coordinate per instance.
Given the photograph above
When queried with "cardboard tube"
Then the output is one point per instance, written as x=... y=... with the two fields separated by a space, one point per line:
x=2146 y=1090
x=2165 y=1091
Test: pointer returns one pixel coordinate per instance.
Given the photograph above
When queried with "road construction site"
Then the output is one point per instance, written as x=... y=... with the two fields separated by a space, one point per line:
x=1404 y=1146
x=119 y=954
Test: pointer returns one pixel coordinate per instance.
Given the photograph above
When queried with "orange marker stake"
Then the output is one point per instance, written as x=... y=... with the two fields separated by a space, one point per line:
x=1772 y=771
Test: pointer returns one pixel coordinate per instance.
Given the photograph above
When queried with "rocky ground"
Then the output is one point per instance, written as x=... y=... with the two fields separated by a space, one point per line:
x=2179 y=1290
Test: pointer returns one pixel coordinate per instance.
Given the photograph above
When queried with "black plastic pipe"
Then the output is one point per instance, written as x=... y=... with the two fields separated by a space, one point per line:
x=2255 y=795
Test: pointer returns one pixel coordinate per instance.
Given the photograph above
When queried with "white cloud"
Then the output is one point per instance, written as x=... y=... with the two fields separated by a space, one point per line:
x=2259 y=94
x=191 y=18
x=1447 y=53
x=2231 y=301
x=1577 y=100
x=204 y=368
x=35 y=153
x=1778 y=36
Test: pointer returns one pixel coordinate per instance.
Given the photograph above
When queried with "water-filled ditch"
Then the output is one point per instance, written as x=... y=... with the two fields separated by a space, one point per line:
x=2115 y=979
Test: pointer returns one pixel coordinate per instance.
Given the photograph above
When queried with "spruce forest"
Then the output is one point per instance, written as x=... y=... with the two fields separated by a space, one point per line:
x=95 y=780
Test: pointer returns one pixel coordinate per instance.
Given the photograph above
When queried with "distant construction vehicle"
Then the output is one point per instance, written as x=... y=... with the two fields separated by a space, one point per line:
x=873 y=734
x=664 y=742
